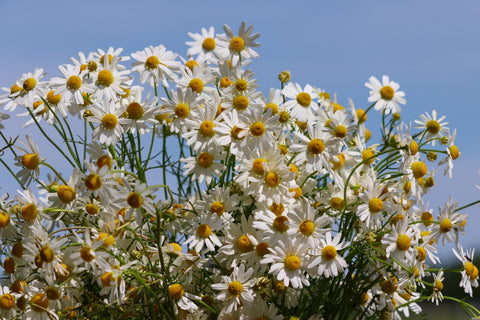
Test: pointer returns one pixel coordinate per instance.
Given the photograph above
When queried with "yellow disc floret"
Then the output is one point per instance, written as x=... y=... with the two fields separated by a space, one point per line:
x=182 y=110
x=205 y=159
x=134 y=111
x=316 y=146
x=304 y=99
x=244 y=243
x=109 y=121
x=241 y=85
x=86 y=255
x=152 y=62
x=30 y=161
x=433 y=127
x=105 y=78
x=280 y=224
x=4 y=219
x=29 y=212
x=419 y=169
x=66 y=194
x=39 y=302
x=446 y=225
x=292 y=262
x=135 y=200
x=196 y=85
x=235 y=288
x=204 y=230
x=93 y=182
x=306 y=227
x=387 y=93
x=258 y=166
x=53 y=98
x=240 y=103
x=29 y=84
x=237 y=44
x=176 y=291
x=257 y=128
x=375 y=205
x=272 y=179
x=206 y=128
x=403 y=242
x=329 y=252
x=208 y=44
x=7 y=301
x=74 y=82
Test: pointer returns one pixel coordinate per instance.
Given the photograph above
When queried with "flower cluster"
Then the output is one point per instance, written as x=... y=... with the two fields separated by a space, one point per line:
x=193 y=195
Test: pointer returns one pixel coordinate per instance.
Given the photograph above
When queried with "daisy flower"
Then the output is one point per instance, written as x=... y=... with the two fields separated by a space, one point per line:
x=109 y=117
x=204 y=235
x=29 y=161
x=155 y=65
x=138 y=199
x=242 y=44
x=434 y=128
x=99 y=183
x=239 y=238
x=374 y=203
x=202 y=126
x=31 y=89
x=385 y=95
x=469 y=272
x=260 y=129
x=236 y=289
x=86 y=254
x=219 y=201
x=289 y=261
x=204 y=166
x=437 y=295
x=111 y=81
x=302 y=104
x=198 y=80
x=112 y=282
x=228 y=131
x=401 y=241
x=205 y=46
x=446 y=221
x=140 y=113
x=316 y=149
x=310 y=228
x=7 y=302
x=111 y=53
x=71 y=86
x=329 y=262
x=183 y=300
x=179 y=107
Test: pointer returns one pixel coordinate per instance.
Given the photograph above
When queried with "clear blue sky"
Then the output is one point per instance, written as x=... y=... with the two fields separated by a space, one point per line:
x=430 y=47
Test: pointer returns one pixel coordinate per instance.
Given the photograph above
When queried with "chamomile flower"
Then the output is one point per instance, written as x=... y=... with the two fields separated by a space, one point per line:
x=239 y=238
x=199 y=80
x=203 y=233
x=111 y=81
x=202 y=128
x=110 y=122
x=242 y=44
x=434 y=128
x=141 y=113
x=289 y=262
x=309 y=228
x=236 y=289
x=204 y=165
x=260 y=129
x=205 y=46
x=385 y=95
x=71 y=86
x=7 y=302
x=447 y=219
x=29 y=161
x=401 y=241
x=99 y=183
x=437 y=295
x=302 y=105
x=374 y=203
x=156 y=65
x=179 y=107
x=86 y=255
x=330 y=263
x=469 y=272
x=31 y=89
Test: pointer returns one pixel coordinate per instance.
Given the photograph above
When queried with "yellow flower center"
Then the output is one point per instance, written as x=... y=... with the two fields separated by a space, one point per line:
x=306 y=228
x=389 y=287
x=17 y=249
x=152 y=62
x=15 y=88
x=438 y=285
x=7 y=301
x=427 y=216
x=53 y=98
x=338 y=164
x=240 y=103
x=272 y=106
x=375 y=205
x=225 y=82
x=257 y=129
x=361 y=115
x=190 y=64
x=135 y=200
x=29 y=84
x=272 y=179
x=93 y=182
x=433 y=126
x=66 y=194
x=244 y=243
x=237 y=44
x=337 y=203
x=52 y=293
x=292 y=262
x=315 y=146
x=46 y=253
x=174 y=248
x=91 y=209
x=18 y=286
x=30 y=161
x=421 y=253
x=454 y=153
x=280 y=224
x=4 y=219
x=235 y=132
x=283 y=117
x=419 y=169
x=105 y=78
x=104 y=160
x=108 y=279
x=176 y=291
x=109 y=121
x=108 y=239
x=367 y=154
x=298 y=192
x=446 y=225
x=134 y=111
x=340 y=131
x=86 y=255
x=471 y=270
x=262 y=249
x=387 y=93
x=29 y=212
x=304 y=99
x=329 y=252
x=92 y=66
x=277 y=209
x=235 y=288
x=110 y=59
x=196 y=85
x=204 y=230
x=403 y=242
x=205 y=159
x=279 y=287
x=9 y=265
x=208 y=44
x=74 y=82
x=206 y=128
x=39 y=302
x=217 y=207
x=182 y=110
x=241 y=85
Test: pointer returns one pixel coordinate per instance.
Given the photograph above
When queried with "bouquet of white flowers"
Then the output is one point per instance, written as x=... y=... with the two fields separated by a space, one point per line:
x=192 y=195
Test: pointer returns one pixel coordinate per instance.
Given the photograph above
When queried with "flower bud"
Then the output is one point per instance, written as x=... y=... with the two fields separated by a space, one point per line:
x=284 y=76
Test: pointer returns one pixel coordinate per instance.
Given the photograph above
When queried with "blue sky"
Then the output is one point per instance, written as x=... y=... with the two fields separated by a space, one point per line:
x=430 y=47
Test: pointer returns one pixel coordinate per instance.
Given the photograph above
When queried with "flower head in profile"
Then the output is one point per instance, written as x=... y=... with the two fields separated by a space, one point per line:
x=469 y=272
x=29 y=161
x=385 y=95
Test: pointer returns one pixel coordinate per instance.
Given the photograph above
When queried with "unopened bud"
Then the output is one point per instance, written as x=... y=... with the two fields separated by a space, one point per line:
x=396 y=116
x=284 y=76
x=432 y=156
